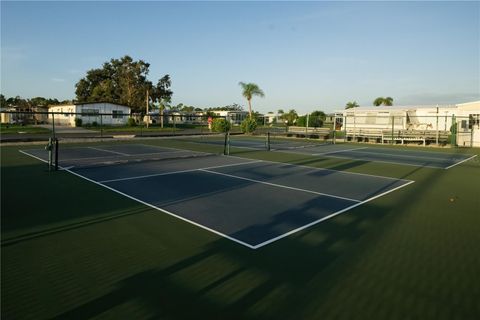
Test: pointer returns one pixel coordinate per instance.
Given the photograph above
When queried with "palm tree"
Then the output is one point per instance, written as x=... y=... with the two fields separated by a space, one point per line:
x=248 y=91
x=291 y=116
x=351 y=104
x=388 y=101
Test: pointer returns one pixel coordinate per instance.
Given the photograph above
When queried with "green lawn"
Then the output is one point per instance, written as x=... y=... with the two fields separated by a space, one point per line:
x=16 y=128
x=72 y=249
x=135 y=128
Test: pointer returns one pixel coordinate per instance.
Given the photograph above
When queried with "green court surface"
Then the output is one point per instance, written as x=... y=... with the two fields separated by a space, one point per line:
x=72 y=249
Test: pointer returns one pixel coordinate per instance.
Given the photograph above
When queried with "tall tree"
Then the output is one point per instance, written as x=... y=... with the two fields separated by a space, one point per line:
x=3 y=101
x=388 y=101
x=351 y=104
x=162 y=95
x=316 y=119
x=161 y=92
x=248 y=91
x=122 y=81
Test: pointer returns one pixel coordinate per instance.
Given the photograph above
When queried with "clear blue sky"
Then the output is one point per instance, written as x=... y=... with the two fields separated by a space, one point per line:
x=304 y=55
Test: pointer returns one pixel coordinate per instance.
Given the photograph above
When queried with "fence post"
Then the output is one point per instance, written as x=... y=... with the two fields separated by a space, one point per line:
x=354 y=127
x=453 y=137
x=56 y=154
x=471 y=134
x=53 y=124
x=436 y=137
x=306 y=127
x=393 y=129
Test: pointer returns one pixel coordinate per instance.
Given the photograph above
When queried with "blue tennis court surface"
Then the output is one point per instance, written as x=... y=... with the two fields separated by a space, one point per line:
x=251 y=202
x=420 y=158
x=431 y=159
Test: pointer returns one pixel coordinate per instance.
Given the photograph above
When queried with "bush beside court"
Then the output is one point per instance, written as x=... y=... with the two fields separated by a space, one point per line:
x=249 y=125
x=220 y=125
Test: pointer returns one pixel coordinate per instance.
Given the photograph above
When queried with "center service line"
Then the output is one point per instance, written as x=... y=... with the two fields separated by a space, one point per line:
x=279 y=185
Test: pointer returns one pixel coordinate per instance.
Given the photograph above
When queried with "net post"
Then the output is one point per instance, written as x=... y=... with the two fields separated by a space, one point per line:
x=226 y=148
x=268 y=140
x=101 y=126
x=50 y=154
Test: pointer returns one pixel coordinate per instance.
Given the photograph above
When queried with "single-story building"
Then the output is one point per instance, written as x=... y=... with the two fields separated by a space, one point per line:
x=234 y=117
x=24 y=115
x=414 y=123
x=176 y=117
x=101 y=113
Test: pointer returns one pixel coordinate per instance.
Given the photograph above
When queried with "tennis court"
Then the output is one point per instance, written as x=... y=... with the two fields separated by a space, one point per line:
x=419 y=158
x=251 y=202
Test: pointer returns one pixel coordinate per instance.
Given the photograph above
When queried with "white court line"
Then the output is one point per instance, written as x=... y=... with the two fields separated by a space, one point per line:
x=175 y=172
x=224 y=235
x=345 y=150
x=327 y=154
x=31 y=155
x=325 y=169
x=278 y=185
x=386 y=161
x=327 y=217
x=162 y=147
x=133 y=155
x=111 y=151
x=453 y=165
x=407 y=156
x=163 y=210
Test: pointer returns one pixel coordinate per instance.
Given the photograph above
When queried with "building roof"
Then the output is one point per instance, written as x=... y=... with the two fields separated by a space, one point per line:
x=87 y=103
x=396 y=108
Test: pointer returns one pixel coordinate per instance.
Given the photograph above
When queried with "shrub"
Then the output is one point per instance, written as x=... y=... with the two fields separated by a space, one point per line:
x=301 y=121
x=248 y=125
x=131 y=122
x=94 y=124
x=78 y=122
x=453 y=128
x=220 y=125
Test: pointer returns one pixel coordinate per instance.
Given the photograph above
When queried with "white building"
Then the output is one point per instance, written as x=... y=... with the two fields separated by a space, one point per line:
x=234 y=117
x=101 y=113
x=365 y=121
x=468 y=124
x=176 y=117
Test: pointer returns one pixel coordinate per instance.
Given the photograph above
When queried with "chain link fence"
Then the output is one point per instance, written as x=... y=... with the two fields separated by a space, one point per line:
x=40 y=126
x=439 y=129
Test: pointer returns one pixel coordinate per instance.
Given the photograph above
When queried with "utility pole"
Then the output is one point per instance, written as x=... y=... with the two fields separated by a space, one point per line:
x=148 y=115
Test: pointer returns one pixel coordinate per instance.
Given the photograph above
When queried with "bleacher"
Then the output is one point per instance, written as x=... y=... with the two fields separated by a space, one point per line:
x=423 y=137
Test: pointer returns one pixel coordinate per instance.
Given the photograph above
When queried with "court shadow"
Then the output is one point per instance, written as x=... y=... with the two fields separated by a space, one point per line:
x=290 y=271
x=35 y=202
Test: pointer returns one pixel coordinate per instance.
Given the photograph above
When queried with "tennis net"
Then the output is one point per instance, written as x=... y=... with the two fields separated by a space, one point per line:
x=110 y=154
x=289 y=140
x=102 y=161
